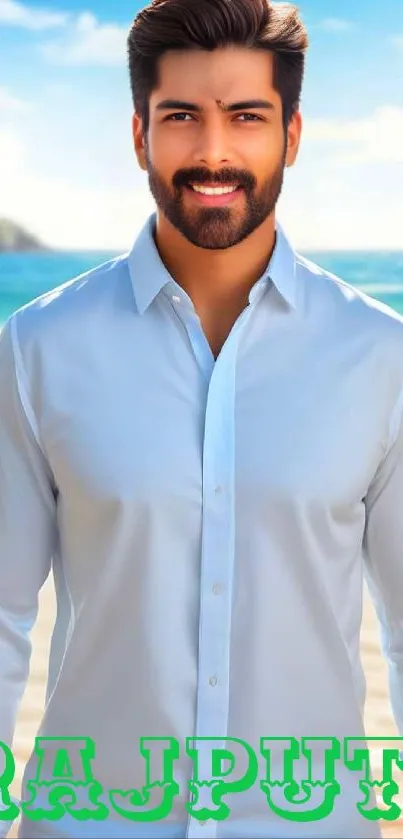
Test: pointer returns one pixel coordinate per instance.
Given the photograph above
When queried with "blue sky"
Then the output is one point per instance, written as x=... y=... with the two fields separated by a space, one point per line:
x=67 y=168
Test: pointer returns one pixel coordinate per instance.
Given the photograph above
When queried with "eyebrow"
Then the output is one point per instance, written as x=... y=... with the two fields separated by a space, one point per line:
x=248 y=104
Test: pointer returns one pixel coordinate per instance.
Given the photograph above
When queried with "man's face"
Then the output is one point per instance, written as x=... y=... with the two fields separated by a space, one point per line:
x=200 y=142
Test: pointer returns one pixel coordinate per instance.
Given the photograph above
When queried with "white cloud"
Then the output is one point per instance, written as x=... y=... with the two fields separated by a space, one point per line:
x=335 y=24
x=333 y=214
x=10 y=104
x=339 y=196
x=62 y=213
x=89 y=42
x=377 y=139
x=13 y=13
x=12 y=152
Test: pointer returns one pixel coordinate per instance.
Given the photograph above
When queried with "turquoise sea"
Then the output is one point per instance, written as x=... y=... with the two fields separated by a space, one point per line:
x=25 y=276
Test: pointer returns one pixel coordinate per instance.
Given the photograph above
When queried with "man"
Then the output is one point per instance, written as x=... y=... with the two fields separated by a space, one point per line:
x=203 y=440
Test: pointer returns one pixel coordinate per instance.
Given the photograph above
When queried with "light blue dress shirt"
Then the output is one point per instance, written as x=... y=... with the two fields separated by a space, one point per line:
x=208 y=524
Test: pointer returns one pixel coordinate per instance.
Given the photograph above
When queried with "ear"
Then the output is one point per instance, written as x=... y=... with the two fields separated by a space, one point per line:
x=293 y=138
x=139 y=141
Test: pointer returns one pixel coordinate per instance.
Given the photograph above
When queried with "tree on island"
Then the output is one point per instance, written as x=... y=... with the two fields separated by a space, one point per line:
x=13 y=237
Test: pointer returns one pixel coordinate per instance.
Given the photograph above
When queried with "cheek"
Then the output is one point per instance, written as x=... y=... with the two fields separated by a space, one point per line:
x=263 y=153
x=274 y=157
x=165 y=149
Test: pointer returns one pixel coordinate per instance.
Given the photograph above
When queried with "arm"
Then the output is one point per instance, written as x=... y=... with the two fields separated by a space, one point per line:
x=27 y=531
x=383 y=552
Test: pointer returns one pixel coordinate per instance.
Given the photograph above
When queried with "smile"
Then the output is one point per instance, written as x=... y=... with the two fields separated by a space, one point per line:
x=208 y=196
x=214 y=190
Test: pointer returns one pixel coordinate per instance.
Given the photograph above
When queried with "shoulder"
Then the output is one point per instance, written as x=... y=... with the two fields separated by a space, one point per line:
x=71 y=308
x=349 y=308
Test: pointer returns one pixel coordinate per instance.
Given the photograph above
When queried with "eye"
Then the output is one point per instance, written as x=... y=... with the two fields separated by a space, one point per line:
x=254 y=116
x=177 y=117
x=179 y=114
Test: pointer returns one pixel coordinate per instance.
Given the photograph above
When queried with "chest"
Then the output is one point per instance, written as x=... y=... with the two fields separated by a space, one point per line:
x=218 y=322
x=286 y=424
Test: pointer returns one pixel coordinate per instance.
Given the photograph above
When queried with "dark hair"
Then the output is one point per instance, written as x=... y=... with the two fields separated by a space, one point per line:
x=207 y=24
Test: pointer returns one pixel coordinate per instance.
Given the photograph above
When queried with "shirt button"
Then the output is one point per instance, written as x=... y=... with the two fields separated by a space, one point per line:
x=202 y=823
x=218 y=489
x=213 y=681
x=217 y=588
x=176 y=299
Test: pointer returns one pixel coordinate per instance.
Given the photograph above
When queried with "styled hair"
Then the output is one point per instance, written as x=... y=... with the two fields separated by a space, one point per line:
x=208 y=24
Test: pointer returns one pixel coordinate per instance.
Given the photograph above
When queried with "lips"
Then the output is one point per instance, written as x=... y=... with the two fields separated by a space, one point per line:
x=214 y=186
x=214 y=199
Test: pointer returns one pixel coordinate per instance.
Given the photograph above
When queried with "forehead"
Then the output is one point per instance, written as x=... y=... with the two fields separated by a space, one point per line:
x=226 y=74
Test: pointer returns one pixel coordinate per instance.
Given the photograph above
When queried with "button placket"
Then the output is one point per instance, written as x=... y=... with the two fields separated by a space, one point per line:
x=217 y=561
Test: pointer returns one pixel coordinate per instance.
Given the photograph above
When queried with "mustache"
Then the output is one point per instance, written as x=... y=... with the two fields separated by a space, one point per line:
x=223 y=178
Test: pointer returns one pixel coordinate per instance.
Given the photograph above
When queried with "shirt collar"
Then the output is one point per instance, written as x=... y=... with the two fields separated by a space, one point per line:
x=282 y=267
x=149 y=275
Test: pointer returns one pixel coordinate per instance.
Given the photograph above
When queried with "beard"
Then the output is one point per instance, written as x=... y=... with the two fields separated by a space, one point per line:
x=216 y=228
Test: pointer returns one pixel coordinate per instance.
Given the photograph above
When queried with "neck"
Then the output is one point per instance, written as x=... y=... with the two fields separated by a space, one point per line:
x=213 y=278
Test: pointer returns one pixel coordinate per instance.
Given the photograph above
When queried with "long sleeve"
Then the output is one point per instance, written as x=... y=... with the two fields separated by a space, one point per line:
x=27 y=530
x=383 y=552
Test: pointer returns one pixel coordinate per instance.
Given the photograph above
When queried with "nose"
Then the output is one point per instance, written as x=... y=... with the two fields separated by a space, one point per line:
x=211 y=148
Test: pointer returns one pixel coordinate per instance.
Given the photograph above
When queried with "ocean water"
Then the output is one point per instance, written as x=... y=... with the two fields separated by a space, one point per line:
x=24 y=277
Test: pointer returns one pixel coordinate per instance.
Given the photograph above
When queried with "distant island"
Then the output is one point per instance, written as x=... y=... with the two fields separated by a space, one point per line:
x=15 y=238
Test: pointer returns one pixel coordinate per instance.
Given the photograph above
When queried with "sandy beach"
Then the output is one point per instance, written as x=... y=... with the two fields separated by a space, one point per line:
x=378 y=716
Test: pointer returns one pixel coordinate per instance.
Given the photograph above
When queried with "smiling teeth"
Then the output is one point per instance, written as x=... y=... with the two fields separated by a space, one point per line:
x=209 y=190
